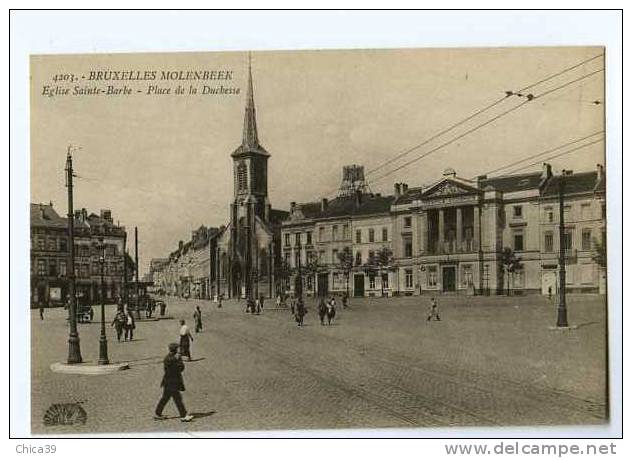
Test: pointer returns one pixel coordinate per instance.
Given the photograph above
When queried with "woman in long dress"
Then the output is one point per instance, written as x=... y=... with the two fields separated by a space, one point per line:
x=185 y=340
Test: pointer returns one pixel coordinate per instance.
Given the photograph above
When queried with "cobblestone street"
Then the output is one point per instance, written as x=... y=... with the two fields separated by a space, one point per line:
x=489 y=361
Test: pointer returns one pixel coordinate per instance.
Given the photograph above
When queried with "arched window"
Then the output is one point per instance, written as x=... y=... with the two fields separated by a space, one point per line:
x=242 y=176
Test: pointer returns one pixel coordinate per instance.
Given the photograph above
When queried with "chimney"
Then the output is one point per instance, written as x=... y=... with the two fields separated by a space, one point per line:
x=404 y=188
x=50 y=202
x=358 y=198
x=599 y=172
x=397 y=190
x=77 y=215
x=323 y=204
x=292 y=207
x=546 y=171
x=84 y=215
x=180 y=245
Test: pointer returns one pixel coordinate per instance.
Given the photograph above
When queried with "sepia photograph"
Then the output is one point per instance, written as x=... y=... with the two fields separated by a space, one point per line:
x=318 y=240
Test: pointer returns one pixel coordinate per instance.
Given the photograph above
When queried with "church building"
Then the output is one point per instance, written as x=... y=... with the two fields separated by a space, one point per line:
x=248 y=247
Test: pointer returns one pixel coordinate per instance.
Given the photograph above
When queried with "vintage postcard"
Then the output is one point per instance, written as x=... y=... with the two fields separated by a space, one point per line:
x=318 y=240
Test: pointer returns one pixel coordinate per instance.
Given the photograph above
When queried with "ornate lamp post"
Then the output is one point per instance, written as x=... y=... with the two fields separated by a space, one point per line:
x=562 y=319
x=74 y=348
x=103 y=342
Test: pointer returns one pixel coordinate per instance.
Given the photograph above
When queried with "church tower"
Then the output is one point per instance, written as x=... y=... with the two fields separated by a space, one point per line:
x=250 y=162
x=250 y=202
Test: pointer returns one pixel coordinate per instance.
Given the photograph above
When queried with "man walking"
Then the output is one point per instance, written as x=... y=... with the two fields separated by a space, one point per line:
x=130 y=325
x=172 y=384
x=197 y=316
x=434 y=310
x=41 y=311
x=119 y=322
x=301 y=311
x=322 y=311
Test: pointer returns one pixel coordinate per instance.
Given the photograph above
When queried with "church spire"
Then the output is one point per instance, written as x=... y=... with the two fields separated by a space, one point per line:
x=250 y=138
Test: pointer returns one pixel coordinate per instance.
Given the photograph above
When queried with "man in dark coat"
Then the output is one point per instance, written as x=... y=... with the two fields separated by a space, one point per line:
x=172 y=384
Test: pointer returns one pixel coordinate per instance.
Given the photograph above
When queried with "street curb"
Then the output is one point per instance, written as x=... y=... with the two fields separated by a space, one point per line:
x=88 y=369
x=562 y=328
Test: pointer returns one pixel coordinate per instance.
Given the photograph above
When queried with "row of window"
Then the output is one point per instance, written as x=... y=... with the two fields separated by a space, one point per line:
x=549 y=240
x=58 y=268
x=586 y=243
x=371 y=236
x=60 y=244
x=550 y=212
x=585 y=212
x=50 y=243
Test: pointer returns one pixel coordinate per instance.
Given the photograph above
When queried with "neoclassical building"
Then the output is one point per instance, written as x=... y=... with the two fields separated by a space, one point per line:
x=449 y=238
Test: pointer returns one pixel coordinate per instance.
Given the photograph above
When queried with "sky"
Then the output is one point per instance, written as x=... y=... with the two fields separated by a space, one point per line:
x=162 y=162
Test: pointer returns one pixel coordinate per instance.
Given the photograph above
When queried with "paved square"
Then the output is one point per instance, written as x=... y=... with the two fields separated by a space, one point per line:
x=489 y=361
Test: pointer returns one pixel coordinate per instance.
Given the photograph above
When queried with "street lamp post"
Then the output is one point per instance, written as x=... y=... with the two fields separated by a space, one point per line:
x=562 y=320
x=74 y=348
x=103 y=342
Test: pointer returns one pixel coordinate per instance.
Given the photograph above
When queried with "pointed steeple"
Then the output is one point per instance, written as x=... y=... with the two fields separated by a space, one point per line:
x=250 y=138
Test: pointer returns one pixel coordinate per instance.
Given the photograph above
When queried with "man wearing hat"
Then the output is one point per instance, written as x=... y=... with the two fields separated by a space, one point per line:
x=172 y=384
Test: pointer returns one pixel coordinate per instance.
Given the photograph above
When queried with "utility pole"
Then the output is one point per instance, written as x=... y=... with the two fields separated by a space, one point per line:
x=210 y=266
x=74 y=349
x=562 y=320
x=300 y=274
x=125 y=268
x=137 y=269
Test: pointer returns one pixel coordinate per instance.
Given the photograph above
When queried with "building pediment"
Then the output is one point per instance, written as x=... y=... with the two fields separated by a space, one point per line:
x=449 y=188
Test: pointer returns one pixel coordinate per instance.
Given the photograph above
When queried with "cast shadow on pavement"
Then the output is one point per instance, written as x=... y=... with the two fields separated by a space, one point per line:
x=581 y=325
x=197 y=415
x=144 y=361
x=194 y=360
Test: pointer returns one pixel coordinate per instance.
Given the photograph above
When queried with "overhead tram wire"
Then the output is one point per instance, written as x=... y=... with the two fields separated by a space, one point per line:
x=507 y=95
x=439 y=134
x=504 y=113
x=511 y=164
x=544 y=80
x=573 y=150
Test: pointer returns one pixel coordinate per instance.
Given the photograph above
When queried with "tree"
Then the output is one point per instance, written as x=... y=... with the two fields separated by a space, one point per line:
x=283 y=272
x=131 y=267
x=313 y=268
x=345 y=264
x=510 y=263
x=600 y=252
x=380 y=262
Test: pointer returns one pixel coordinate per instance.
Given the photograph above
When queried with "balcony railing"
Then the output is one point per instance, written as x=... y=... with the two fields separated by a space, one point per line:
x=451 y=247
